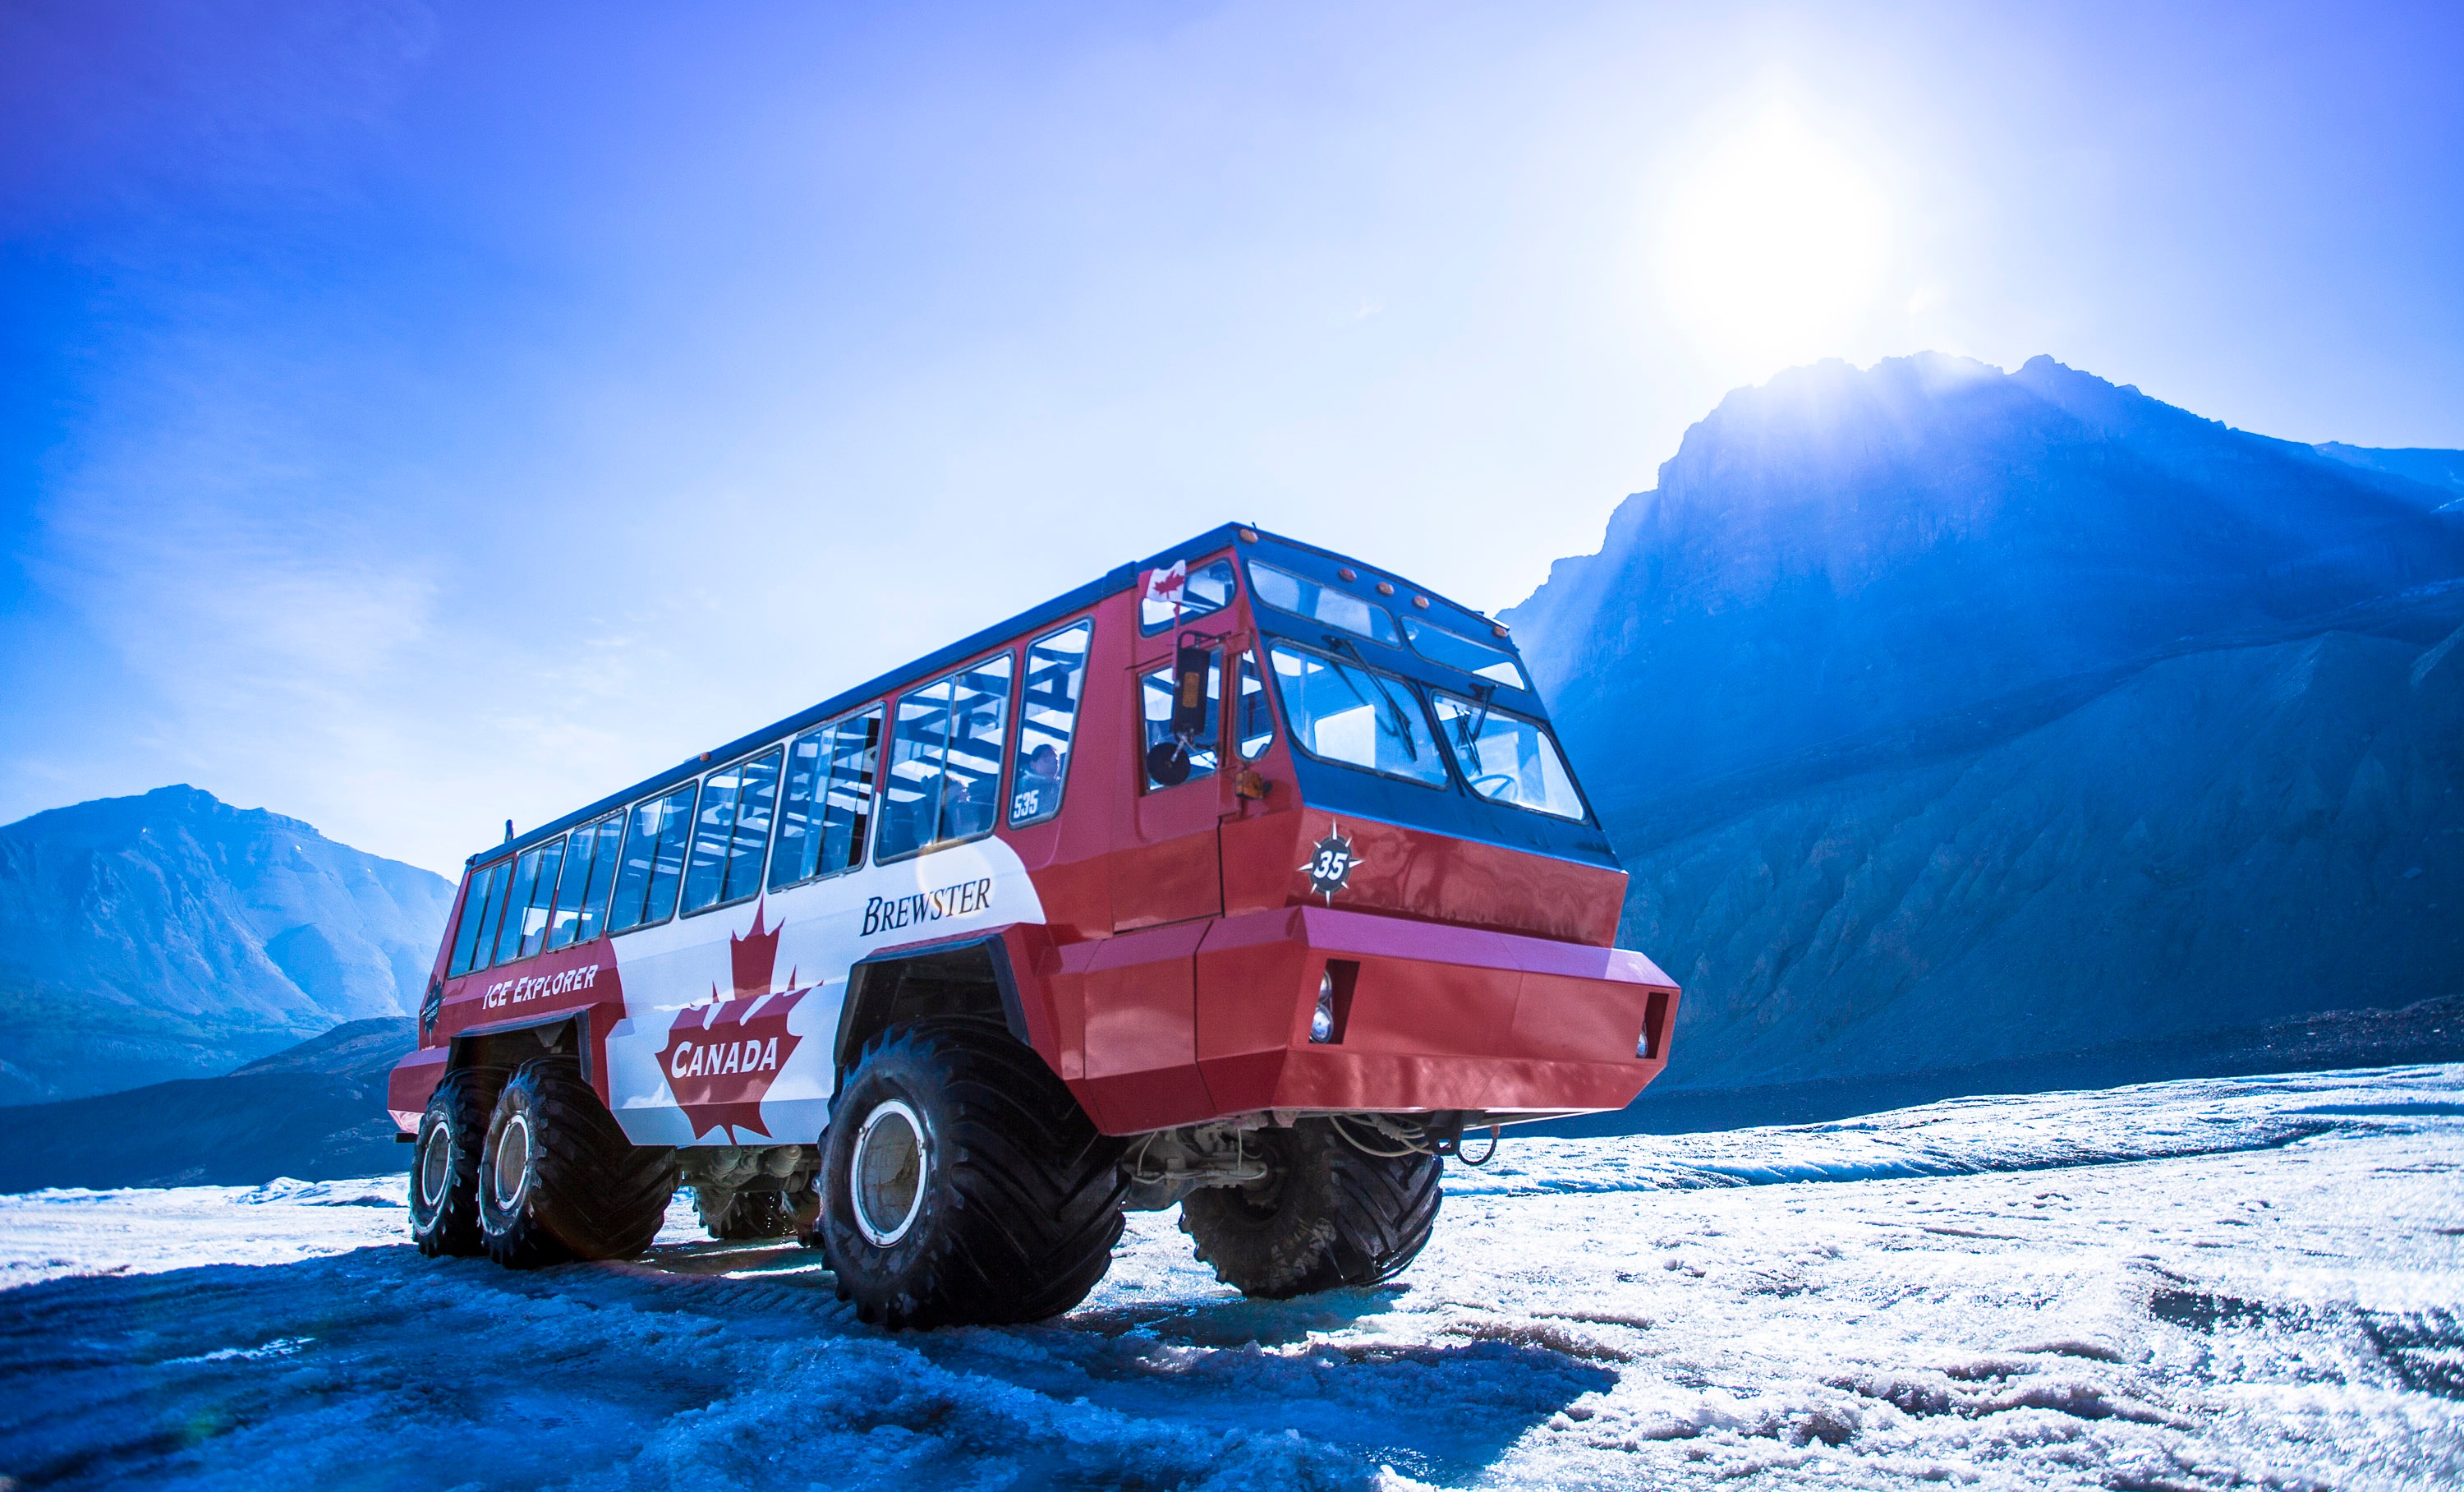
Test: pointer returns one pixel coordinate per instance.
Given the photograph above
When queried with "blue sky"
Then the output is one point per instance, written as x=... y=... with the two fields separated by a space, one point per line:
x=413 y=416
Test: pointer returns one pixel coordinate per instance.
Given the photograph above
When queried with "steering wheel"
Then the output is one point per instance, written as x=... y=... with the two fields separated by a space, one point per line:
x=1506 y=778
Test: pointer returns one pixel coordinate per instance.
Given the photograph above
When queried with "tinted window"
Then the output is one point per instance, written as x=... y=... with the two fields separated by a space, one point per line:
x=535 y=917
x=1507 y=759
x=945 y=758
x=800 y=837
x=1440 y=646
x=1048 y=718
x=517 y=901
x=732 y=831
x=1289 y=592
x=1207 y=589
x=476 y=910
x=1357 y=716
x=654 y=859
x=1253 y=722
x=1185 y=761
x=855 y=761
x=604 y=860
x=828 y=799
x=565 y=919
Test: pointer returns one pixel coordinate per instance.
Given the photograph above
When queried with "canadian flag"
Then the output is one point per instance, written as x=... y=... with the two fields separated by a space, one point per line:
x=1164 y=586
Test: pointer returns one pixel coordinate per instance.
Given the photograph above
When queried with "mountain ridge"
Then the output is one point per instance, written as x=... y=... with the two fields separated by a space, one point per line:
x=169 y=935
x=1864 y=688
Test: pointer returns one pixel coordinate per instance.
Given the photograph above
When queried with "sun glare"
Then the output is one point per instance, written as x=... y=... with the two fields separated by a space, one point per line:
x=1776 y=245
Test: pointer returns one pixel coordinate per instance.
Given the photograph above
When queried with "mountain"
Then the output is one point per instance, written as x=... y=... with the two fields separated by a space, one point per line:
x=314 y=1112
x=1953 y=720
x=171 y=935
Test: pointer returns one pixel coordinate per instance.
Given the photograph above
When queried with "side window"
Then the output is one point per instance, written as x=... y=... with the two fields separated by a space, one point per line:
x=1207 y=589
x=567 y=916
x=654 y=859
x=855 y=761
x=828 y=799
x=945 y=759
x=808 y=772
x=582 y=890
x=1253 y=719
x=732 y=831
x=1048 y=717
x=1173 y=759
x=535 y=917
x=517 y=901
x=602 y=876
x=472 y=937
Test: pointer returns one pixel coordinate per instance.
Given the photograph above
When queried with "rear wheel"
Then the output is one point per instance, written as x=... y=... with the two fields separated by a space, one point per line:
x=445 y=1168
x=1326 y=1215
x=558 y=1178
x=963 y=1184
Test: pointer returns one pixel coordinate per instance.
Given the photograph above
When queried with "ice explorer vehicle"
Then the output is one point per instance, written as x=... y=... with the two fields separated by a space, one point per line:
x=1248 y=879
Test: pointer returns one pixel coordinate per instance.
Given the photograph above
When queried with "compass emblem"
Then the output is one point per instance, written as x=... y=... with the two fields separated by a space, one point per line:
x=1330 y=864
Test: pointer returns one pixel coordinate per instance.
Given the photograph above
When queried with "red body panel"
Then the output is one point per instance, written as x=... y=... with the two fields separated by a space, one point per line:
x=1181 y=947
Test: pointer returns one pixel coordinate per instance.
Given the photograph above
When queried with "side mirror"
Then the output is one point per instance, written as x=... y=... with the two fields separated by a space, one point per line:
x=1189 y=669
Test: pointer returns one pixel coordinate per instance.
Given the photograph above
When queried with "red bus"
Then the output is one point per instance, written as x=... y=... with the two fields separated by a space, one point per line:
x=1249 y=879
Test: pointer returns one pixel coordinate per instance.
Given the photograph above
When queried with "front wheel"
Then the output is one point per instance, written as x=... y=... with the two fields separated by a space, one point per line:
x=962 y=1184
x=1327 y=1214
x=560 y=1181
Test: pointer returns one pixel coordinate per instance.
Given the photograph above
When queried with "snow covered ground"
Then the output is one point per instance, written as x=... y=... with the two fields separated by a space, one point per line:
x=2194 y=1284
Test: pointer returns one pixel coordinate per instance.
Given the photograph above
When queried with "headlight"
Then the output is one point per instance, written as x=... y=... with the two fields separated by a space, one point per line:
x=1322 y=1023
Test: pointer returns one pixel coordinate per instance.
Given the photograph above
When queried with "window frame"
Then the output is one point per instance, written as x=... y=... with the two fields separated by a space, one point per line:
x=1139 y=677
x=760 y=874
x=1002 y=767
x=1548 y=732
x=1428 y=718
x=1258 y=599
x=625 y=842
x=477 y=903
x=1231 y=598
x=829 y=729
x=1077 y=722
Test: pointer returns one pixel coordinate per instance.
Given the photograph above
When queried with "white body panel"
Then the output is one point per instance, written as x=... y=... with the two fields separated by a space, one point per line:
x=683 y=1003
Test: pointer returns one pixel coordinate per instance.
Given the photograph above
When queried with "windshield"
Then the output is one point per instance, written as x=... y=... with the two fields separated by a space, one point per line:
x=1507 y=759
x=1289 y=592
x=1440 y=646
x=1342 y=712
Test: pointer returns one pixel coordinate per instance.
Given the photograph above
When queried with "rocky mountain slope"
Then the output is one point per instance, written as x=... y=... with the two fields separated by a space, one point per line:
x=171 y=935
x=1954 y=720
x=312 y=1112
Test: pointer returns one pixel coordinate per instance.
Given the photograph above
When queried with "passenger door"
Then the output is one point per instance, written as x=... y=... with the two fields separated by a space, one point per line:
x=1166 y=868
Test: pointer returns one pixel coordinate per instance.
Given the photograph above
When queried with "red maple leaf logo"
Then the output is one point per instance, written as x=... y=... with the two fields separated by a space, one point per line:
x=723 y=1055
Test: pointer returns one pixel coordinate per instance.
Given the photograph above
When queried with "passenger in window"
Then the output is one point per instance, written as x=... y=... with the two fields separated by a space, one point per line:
x=964 y=809
x=1038 y=784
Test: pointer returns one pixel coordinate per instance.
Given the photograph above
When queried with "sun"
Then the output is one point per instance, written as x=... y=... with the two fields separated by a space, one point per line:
x=1776 y=245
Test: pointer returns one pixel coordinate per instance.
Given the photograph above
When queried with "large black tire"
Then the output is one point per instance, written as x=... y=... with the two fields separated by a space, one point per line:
x=741 y=1216
x=1326 y=1216
x=445 y=1168
x=558 y=1179
x=1010 y=1201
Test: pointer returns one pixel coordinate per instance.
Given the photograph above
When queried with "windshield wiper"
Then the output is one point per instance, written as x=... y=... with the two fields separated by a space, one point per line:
x=1401 y=728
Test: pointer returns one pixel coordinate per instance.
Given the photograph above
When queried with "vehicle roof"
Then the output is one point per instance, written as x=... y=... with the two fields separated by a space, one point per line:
x=1119 y=578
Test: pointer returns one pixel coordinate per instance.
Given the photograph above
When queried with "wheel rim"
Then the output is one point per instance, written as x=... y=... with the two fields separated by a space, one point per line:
x=885 y=1175
x=511 y=1170
x=435 y=1167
